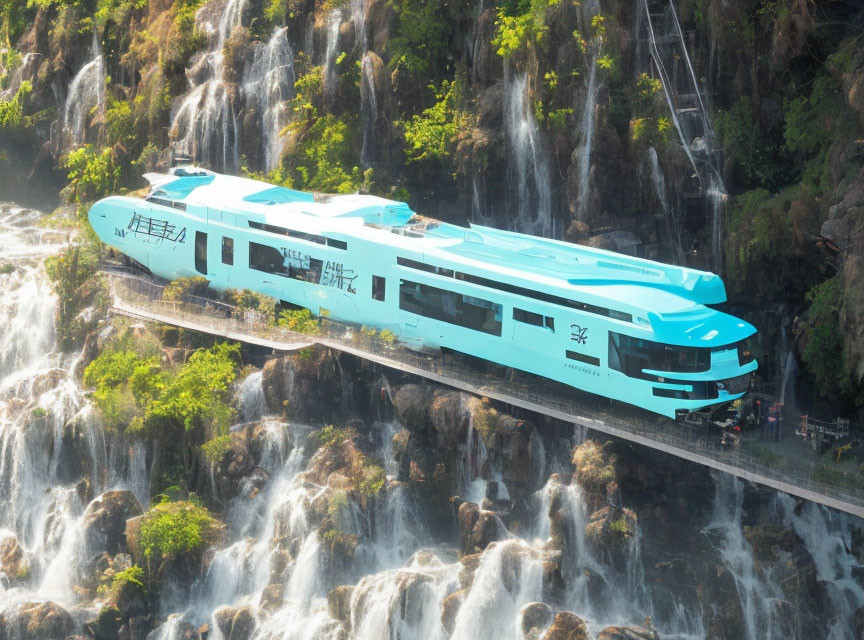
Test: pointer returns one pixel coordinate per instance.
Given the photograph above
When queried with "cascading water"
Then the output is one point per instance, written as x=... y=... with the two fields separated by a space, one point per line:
x=672 y=223
x=531 y=204
x=268 y=84
x=41 y=406
x=587 y=133
x=86 y=93
x=368 y=108
x=334 y=21
x=205 y=124
x=251 y=403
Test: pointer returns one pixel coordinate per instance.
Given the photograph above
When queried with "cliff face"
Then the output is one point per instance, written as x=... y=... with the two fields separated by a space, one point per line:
x=723 y=137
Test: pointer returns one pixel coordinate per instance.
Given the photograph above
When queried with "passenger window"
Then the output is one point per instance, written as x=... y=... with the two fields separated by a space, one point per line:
x=228 y=251
x=449 y=306
x=290 y=264
x=378 y=288
x=537 y=319
x=201 y=252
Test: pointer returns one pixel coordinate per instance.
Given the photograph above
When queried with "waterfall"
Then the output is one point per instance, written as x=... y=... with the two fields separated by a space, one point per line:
x=251 y=403
x=334 y=22
x=49 y=435
x=757 y=594
x=86 y=93
x=268 y=84
x=672 y=223
x=587 y=133
x=368 y=108
x=205 y=124
x=358 y=17
x=529 y=170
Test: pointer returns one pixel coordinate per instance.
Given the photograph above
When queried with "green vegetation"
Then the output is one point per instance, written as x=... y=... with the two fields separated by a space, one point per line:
x=834 y=476
x=422 y=42
x=133 y=576
x=174 y=530
x=12 y=118
x=215 y=449
x=177 y=290
x=135 y=392
x=299 y=321
x=326 y=155
x=92 y=175
x=521 y=26
x=74 y=276
x=329 y=436
x=487 y=421
x=431 y=134
x=823 y=357
x=621 y=527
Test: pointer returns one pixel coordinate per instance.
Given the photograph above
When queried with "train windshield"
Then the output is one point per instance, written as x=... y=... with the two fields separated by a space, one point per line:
x=631 y=355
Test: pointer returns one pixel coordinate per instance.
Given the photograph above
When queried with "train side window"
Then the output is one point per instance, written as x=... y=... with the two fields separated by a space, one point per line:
x=228 y=251
x=581 y=357
x=378 y=288
x=536 y=319
x=201 y=252
x=291 y=264
x=452 y=307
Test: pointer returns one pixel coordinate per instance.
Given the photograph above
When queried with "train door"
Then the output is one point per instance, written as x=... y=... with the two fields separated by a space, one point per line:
x=201 y=252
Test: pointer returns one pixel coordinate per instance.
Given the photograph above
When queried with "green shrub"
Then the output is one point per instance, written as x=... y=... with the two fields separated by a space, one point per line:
x=134 y=575
x=216 y=448
x=824 y=357
x=173 y=530
x=176 y=290
x=12 y=116
x=92 y=175
x=74 y=274
x=432 y=133
x=521 y=26
x=329 y=436
x=299 y=321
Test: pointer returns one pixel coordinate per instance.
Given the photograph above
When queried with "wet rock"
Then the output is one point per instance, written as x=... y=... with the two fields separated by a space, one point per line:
x=609 y=534
x=106 y=625
x=235 y=623
x=595 y=469
x=478 y=528
x=412 y=403
x=450 y=418
x=627 y=633
x=567 y=626
x=13 y=561
x=769 y=539
x=534 y=618
x=104 y=521
x=450 y=609
x=469 y=568
x=132 y=533
x=272 y=596
x=554 y=585
x=37 y=621
x=232 y=465
x=339 y=602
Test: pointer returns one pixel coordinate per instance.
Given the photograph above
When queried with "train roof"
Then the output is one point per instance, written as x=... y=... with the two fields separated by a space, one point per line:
x=676 y=294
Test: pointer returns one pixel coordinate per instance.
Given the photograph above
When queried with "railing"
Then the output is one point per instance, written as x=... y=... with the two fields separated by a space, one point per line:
x=746 y=459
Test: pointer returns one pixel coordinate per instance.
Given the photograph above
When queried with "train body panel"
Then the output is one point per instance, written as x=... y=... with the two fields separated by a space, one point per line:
x=625 y=328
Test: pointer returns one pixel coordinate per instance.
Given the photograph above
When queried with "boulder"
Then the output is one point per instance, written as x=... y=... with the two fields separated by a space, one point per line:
x=104 y=521
x=272 y=597
x=567 y=626
x=450 y=418
x=534 y=618
x=131 y=533
x=478 y=528
x=450 y=609
x=339 y=603
x=106 y=625
x=235 y=623
x=469 y=568
x=413 y=403
x=627 y=633
x=37 y=621
x=13 y=561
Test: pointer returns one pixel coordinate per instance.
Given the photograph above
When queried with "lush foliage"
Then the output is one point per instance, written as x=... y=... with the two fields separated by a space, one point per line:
x=177 y=290
x=175 y=529
x=431 y=133
x=73 y=273
x=521 y=25
x=134 y=575
x=92 y=174
x=134 y=391
x=823 y=356
x=12 y=116
x=299 y=321
x=326 y=156
x=422 y=42
x=216 y=448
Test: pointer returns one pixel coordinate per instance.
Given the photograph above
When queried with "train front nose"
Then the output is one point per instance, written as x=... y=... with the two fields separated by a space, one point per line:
x=105 y=217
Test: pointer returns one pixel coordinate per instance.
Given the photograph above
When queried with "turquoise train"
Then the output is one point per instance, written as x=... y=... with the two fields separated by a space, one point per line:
x=625 y=328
